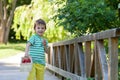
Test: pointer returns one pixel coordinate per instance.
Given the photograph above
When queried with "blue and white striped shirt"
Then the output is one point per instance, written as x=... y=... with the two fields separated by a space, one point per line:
x=36 y=51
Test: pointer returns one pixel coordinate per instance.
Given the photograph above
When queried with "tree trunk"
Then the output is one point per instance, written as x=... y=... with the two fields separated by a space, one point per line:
x=2 y=32
x=6 y=20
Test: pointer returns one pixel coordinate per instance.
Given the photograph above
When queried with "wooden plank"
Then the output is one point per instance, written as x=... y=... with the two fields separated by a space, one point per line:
x=51 y=58
x=87 y=57
x=67 y=57
x=59 y=56
x=81 y=57
x=92 y=65
x=113 y=58
x=56 y=57
x=77 y=65
x=102 y=58
x=72 y=58
x=96 y=36
x=62 y=51
x=98 y=75
x=65 y=73
x=64 y=59
x=47 y=56
x=100 y=35
x=108 y=33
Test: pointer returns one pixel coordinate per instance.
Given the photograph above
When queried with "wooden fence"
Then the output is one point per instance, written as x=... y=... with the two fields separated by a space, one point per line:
x=94 y=56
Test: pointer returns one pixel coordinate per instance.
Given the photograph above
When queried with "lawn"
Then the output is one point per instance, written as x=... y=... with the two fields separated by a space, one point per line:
x=11 y=49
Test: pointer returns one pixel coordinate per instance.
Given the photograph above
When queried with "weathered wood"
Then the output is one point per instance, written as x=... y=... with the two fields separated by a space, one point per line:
x=62 y=57
x=73 y=58
x=87 y=57
x=92 y=65
x=49 y=55
x=102 y=58
x=96 y=36
x=77 y=63
x=81 y=57
x=56 y=57
x=52 y=57
x=59 y=56
x=113 y=58
x=67 y=57
x=97 y=64
x=65 y=74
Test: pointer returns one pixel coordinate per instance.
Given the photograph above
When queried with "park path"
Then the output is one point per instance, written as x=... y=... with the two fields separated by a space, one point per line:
x=9 y=69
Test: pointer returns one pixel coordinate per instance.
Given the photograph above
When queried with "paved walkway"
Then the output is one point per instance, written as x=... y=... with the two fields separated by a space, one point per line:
x=9 y=69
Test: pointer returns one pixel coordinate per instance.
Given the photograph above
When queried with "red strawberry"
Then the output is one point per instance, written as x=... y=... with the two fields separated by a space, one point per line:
x=26 y=60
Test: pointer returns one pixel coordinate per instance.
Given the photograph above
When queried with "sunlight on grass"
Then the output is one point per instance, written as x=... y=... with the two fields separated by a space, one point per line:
x=17 y=46
x=8 y=52
x=11 y=49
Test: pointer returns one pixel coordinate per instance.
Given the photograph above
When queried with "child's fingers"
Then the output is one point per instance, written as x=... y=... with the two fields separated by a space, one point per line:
x=44 y=42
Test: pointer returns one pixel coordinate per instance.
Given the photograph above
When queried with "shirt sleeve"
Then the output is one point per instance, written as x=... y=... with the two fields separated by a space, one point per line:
x=32 y=40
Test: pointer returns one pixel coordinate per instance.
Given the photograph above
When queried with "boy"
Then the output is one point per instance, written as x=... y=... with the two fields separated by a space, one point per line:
x=36 y=48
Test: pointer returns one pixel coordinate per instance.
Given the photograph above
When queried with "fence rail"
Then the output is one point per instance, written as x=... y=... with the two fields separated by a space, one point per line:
x=94 y=55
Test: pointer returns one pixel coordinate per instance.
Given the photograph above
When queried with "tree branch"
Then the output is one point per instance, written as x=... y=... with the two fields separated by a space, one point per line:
x=9 y=21
x=5 y=10
x=1 y=12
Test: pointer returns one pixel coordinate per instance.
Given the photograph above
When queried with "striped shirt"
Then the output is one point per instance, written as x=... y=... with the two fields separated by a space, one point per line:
x=36 y=51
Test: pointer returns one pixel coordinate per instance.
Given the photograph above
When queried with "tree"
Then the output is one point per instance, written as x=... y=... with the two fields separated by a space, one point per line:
x=6 y=18
x=26 y=15
x=83 y=17
x=7 y=8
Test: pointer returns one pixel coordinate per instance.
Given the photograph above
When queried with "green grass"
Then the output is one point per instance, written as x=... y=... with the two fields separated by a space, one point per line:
x=11 y=49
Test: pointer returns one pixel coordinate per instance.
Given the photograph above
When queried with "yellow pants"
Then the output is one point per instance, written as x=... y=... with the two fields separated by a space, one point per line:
x=37 y=72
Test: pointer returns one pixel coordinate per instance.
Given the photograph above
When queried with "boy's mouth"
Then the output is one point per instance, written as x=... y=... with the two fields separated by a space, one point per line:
x=40 y=32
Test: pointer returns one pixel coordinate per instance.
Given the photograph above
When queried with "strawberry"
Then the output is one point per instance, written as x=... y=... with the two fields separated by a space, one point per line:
x=26 y=60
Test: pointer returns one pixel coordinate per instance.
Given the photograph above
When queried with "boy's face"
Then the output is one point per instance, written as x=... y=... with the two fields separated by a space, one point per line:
x=40 y=29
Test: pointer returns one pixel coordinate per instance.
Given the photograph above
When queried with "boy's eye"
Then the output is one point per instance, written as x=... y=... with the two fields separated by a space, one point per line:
x=38 y=28
x=42 y=27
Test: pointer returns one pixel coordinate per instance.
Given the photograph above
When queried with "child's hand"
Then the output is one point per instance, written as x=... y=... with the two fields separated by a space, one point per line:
x=44 y=42
x=26 y=55
x=45 y=46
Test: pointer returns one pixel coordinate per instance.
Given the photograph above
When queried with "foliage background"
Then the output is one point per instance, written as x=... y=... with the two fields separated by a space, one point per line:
x=81 y=17
x=65 y=19
x=26 y=15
